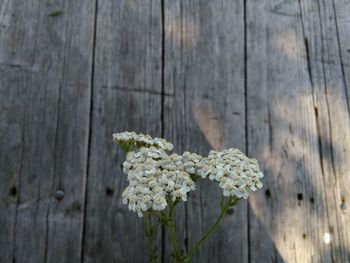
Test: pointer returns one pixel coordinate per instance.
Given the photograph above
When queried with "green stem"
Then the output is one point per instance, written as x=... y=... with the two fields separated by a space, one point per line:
x=224 y=207
x=161 y=216
x=149 y=235
x=172 y=234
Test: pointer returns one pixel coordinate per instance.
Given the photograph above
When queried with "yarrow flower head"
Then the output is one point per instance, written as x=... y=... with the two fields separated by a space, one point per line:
x=155 y=178
x=236 y=174
x=127 y=140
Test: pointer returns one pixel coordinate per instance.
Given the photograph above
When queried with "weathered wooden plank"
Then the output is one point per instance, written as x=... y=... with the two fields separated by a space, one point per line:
x=126 y=96
x=283 y=132
x=341 y=15
x=204 y=109
x=328 y=79
x=342 y=30
x=44 y=114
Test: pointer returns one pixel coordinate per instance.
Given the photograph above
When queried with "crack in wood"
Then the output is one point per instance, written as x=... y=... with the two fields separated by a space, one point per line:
x=162 y=94
x=126 y=89
x=333 y=251
x=89 y=135
x=341 y=56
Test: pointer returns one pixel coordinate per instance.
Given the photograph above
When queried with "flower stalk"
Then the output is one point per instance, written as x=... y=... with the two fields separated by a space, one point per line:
x=149 y=238
x=172 y=233
x=159 y=179
x=224 y=207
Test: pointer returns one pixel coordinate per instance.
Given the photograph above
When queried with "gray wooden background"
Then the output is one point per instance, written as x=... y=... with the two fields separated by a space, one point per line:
x=269 y=77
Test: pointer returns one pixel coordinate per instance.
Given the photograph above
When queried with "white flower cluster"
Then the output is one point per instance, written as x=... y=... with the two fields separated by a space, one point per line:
x=155 y=177
x=236 y=173
x=142 y=140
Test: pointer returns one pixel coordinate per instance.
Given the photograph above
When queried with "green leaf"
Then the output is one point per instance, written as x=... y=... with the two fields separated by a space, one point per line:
x=234 y=201
x=148 y=232
x=56 y=13
x=194 y=177
x=125 y=145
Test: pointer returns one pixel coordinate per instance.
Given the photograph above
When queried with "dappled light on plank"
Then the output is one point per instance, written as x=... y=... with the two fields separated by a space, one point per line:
x=290 y=43
x=183 y=31
x=210 y=125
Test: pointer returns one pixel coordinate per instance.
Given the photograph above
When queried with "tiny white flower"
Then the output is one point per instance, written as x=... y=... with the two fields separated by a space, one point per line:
x=159 y=202
x=259 y=185
x=219 y=175
x=142 y=206
x=139 y=213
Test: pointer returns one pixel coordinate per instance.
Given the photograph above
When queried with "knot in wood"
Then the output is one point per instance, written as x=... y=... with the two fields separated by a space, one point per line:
x=59 y=195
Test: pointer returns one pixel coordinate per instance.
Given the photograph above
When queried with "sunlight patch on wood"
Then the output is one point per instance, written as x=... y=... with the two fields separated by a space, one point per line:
x=290 y=44
x=211 y=126
x=182 y=31
x=293 y=173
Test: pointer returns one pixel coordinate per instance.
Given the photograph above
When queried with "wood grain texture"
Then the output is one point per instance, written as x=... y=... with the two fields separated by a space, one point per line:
x=341 y=29
x=297 y=114
x=45 y=65
x=271 y=78
x=204 y=109
x=328 y=80
x=126 y=96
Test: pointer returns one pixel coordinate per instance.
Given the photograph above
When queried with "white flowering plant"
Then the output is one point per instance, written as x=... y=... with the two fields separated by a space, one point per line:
x=159 y=180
